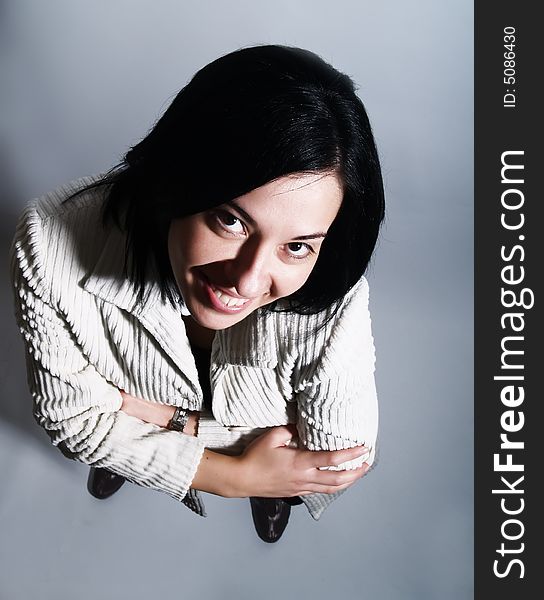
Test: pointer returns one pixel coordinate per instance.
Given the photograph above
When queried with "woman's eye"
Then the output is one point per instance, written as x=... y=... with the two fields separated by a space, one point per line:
x=299 y=250
x=230 y=222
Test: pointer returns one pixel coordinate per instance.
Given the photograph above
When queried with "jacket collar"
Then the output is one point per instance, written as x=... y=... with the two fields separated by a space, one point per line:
x=108 y=282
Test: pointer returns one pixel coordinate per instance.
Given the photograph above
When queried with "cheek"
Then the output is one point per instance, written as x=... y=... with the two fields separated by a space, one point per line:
x=292 y=279
x=193 y=244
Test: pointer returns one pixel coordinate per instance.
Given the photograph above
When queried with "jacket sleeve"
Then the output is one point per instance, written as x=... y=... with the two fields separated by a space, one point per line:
x=336 y=395
x=77 y=407
x=336 y=399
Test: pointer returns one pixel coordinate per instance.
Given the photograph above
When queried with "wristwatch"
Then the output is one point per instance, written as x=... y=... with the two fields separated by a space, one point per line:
x=179 y=419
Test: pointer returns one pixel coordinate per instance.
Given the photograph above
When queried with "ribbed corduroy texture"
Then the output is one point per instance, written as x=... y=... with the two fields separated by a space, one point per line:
x=86 y=337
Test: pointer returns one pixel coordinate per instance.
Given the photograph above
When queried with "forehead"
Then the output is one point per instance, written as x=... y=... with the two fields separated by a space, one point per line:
x=294 y=200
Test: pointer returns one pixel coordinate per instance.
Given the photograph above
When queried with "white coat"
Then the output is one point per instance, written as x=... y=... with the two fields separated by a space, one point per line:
x=86 y=337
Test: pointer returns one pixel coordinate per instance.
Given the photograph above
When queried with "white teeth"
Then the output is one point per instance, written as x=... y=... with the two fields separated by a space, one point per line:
x=229 y=300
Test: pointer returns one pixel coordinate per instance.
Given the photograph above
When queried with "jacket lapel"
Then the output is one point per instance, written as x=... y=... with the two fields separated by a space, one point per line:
x=108 y=282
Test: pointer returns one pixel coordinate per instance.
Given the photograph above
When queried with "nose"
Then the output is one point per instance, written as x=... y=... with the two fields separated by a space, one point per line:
x=250 y=270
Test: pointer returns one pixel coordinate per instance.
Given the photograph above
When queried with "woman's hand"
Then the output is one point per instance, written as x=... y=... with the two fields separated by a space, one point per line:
x=268 y=467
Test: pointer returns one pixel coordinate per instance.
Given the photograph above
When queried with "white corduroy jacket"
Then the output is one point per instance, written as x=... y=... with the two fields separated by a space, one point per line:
x=86 y=337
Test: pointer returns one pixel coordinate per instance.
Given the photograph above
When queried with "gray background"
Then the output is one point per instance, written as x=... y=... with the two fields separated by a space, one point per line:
x=81 y=81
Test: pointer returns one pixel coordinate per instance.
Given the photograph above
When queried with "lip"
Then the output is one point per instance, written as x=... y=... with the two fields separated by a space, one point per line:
x=214 y=300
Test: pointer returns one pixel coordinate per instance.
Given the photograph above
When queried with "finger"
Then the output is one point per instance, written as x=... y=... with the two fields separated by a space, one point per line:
x=337 y=478
x=330 y=482
x=328 y=458
x=323 y=489
x=282 y=435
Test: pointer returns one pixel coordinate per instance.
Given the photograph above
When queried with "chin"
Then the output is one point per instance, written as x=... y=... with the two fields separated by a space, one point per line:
x=211 y=319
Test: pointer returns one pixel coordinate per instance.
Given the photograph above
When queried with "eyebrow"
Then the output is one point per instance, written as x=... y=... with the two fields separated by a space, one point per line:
x=251 y=221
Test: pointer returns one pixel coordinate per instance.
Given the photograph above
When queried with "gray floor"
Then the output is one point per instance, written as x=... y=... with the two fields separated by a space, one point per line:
x=85 y=81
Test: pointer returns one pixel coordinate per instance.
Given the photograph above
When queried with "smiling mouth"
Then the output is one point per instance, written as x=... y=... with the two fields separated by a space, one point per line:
x=227 y=300
x=220 y=299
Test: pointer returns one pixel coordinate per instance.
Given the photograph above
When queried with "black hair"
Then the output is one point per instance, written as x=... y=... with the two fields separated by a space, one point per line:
x=245 y=119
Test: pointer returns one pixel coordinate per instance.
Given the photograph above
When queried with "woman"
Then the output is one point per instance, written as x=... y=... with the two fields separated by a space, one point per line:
x=219 y=267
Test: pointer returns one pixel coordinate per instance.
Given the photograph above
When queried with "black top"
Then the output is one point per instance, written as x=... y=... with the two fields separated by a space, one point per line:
x=202 y=360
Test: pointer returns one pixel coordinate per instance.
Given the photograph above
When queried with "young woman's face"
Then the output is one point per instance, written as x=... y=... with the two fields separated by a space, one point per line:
x=230 y=260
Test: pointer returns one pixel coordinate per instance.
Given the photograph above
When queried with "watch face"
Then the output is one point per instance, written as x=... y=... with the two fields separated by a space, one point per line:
x=179 y=420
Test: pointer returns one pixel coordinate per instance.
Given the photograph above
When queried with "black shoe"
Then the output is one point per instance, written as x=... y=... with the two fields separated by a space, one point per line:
x=293 y=501
x=270 y=516
x=103 y=483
